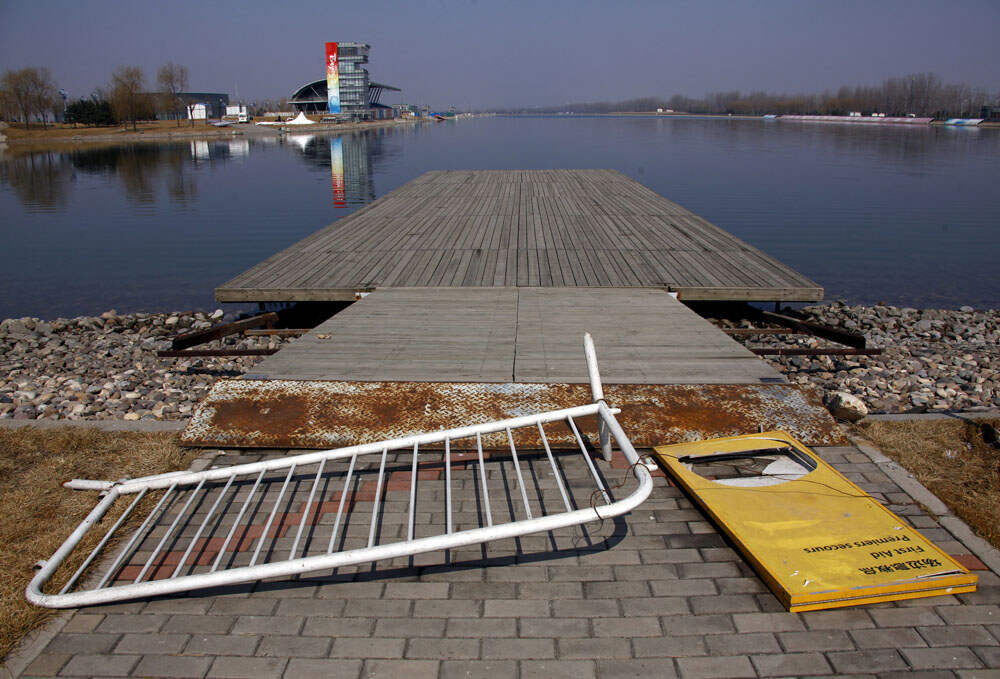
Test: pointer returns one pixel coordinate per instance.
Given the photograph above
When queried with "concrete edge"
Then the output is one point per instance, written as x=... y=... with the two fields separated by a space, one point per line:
x=33 y=643
x=148 y=426
x=976 y=545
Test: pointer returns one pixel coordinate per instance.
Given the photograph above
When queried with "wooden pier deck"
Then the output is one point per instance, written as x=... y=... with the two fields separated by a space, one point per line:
x=521 y=228
x=516 y=335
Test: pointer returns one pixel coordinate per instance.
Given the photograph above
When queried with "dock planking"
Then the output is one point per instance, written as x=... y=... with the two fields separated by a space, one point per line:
x=521 y=228
x=516 y=335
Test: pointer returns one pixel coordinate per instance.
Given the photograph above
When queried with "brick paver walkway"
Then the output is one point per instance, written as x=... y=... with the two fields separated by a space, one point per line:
x=662 y=596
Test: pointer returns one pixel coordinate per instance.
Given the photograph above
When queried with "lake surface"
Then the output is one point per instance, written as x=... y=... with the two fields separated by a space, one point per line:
x=908 y=216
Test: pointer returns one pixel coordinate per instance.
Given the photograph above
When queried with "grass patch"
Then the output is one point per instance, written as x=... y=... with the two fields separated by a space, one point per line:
x=37 y=513
x=65 y=130
x=951 y=459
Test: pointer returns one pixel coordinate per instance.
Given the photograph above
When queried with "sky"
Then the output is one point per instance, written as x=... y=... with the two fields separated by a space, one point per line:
x=510 y=53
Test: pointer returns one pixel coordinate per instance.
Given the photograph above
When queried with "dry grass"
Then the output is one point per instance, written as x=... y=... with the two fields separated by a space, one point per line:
x=62 y=130
x=951 y=459
x=37 y=513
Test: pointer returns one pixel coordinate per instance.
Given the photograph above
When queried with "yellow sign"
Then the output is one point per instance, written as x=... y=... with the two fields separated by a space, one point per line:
x=815 y=538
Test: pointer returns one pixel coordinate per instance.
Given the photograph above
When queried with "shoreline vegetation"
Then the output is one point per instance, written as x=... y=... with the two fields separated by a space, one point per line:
x=105 y=367
x=167 y=130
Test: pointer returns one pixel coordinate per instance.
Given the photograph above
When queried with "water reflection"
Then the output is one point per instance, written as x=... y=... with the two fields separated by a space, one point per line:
x=351 y=159
x=41 y=181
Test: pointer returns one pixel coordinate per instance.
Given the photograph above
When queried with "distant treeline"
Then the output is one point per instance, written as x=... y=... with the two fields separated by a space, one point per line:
x=922 y=94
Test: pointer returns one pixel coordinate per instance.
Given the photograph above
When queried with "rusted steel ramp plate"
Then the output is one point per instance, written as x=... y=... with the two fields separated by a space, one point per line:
x=328 y=414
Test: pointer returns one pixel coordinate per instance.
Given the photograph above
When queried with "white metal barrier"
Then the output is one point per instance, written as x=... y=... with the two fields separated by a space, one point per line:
x=200 y=557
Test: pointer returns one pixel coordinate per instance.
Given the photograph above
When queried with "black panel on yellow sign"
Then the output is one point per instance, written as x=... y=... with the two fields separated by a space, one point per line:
x=815 y=538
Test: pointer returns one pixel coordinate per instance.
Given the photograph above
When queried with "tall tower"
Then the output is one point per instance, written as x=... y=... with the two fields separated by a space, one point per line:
x=346 y=78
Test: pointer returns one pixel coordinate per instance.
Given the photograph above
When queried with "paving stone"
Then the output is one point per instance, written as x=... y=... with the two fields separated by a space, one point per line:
x=179 y=604
x=378 y=608
x=740 y=644
x=454 y=649
x=47 y=664
x=475 y=669
x=768 y=622
x=979 y=674
x=851 y=662
x=241 y=667
x=709 y=570
x=723 y=603
x=267 y=624
x=673 y=588
x=820 y=640
x=520 y=573
x=627 y=627
x=734 y=585
x=120 y=623
x=791 y=664
x=905 y=617
x=897 y=637
x=682 y=625
x=655 y=606
x=293 y=646
x=614 y=590
x=82 y=623
x=546 y=590
x=87 y=664
x=222 y=644
x=840 y=618
x=959 y=635
x=416 y=590
x=447 y=608
x=171 y=666
x=402 y=628
x=348 y=647
x=250 y=606
x=152 y=644
x=609 y=647
x=970 y=615
x=669 y=646
x=636 y=669
x=314 y=668
x=396 y=669
x=557 y=628
x=724 y=667
x=954 y=657
x=557 y=669
x=486 y=590
x=70 y=644
x=200 y=624
x=480 y=628
x=513 y=608
x=585 y=608
x=989 y=654
x=338 y=627
x=351 y=590
x=515 y=649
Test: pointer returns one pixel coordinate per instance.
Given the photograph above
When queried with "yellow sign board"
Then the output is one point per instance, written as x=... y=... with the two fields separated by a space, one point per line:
x=815 y=538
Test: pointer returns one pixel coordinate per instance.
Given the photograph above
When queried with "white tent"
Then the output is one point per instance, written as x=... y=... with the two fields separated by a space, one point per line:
x=301 y=120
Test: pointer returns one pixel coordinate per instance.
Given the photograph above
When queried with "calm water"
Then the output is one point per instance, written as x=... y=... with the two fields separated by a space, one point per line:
x=905 y=216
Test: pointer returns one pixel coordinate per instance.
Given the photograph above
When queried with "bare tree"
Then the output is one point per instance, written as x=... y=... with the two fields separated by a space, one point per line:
x=28 y=92
x=172 y=79
x=127 y=83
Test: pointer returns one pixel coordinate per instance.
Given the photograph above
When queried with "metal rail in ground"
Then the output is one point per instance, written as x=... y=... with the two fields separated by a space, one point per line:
x=315 y=512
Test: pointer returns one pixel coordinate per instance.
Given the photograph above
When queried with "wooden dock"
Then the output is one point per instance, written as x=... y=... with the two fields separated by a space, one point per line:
x=516 y=335
x=521 y=228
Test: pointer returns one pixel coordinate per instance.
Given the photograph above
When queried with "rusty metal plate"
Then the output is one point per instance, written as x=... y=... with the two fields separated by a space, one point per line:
x=331 y=414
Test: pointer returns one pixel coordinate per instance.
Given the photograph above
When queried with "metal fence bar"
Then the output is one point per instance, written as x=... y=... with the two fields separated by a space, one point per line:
x=173 y=525
x=201 y=528
x=340 y=507
x=378 y=496
x=590 y=463
x=597 y=390
x=520 y=478
x=447 y=484
x=131 y=543
x=100 y=545
x=482 y=477
x=555 y=470
x=305 y=511
x=413 y=493
x=236 y=522
x=270 y=518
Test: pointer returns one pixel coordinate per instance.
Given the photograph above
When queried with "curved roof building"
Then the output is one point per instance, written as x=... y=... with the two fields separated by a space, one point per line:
x=358 y=95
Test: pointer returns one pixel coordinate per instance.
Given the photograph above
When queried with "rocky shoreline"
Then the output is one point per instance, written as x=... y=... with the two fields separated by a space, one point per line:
x=105 y=367
x=933 y=360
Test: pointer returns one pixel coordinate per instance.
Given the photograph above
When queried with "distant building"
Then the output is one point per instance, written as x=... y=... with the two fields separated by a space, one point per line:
x=357 y=96
x=214 y=104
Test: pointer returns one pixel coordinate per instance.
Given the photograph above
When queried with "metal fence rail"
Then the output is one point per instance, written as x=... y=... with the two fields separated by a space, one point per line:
x=332 y=509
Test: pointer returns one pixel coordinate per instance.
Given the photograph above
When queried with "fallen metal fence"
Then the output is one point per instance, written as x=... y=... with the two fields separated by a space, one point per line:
x=226 y=526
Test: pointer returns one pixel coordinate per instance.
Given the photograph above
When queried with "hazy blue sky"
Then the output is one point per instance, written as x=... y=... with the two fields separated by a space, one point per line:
x=500 y=53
